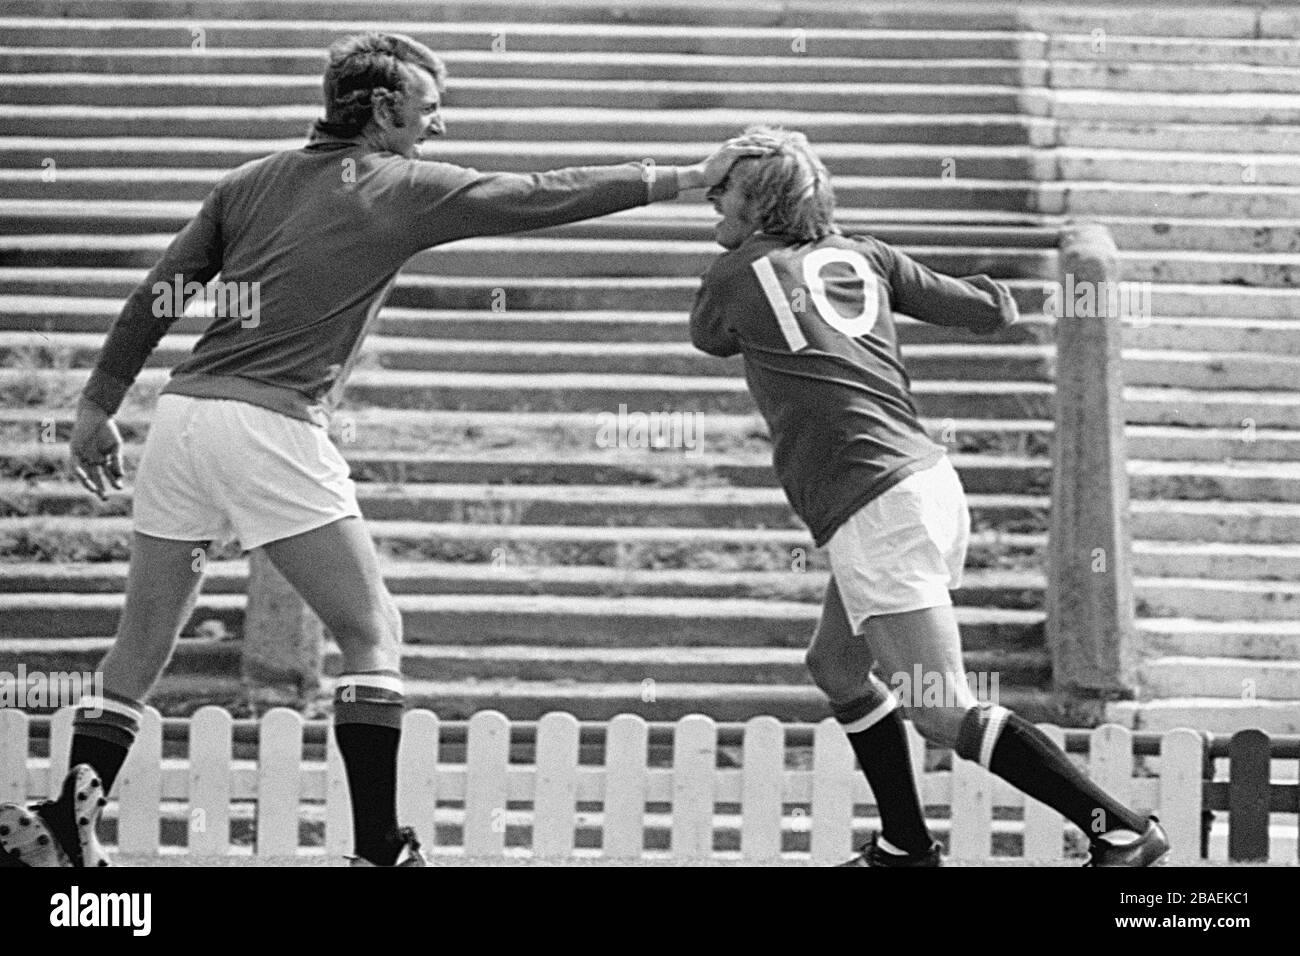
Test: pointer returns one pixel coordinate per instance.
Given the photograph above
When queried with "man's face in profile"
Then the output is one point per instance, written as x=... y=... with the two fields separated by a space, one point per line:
x=728 y=200
x=415 y=116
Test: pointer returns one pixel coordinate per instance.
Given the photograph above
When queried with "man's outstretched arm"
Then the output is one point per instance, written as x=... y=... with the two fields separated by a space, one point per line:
x=466 y=203
x=976 y=302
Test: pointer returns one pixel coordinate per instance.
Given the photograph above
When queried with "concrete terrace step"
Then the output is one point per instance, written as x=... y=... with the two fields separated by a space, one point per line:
x=841 y=159
x=981 y=588
x=529 y=256
x=539 y=123
x=577 y=392
x=1197 y=200
x=1273 y=337
x=1179 y=77
x=522 y=256
x=1115 y=133
x=1223 y=600
x=698 y=549
x=419 y=432
x=1219 y=715
x=1177 y=166
x=1215 y=301
x=1259 y=635
x=535 y=621
x=1167 y=677
x=699 y=14
x=1234 y=560
x=611 y=466
x=950 y=227
x=1258 y=481
x=1198 y=20
x=134 y=90
x=56 y=317
x=688 y=463
x=512 y=293
x=1219 y=445
x=175 y=184
x=1219 y=408
x=1268 y=640
x=587 y=505
x=502 y=509
x=550 y=64
x=1246 y=410
x=1279 y=269
x=1243 y=522
x=1210 y=370
x=1212 y=52
x=451 y=433
x=1176 y=232
x=223 y=35
x=964 y=361
x=54 y=538
x=1157 y=108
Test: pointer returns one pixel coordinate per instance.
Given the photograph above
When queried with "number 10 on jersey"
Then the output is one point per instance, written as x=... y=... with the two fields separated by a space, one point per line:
x=807 y=268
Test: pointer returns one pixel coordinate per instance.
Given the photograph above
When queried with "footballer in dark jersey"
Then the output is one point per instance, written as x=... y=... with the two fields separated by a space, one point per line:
x=812 y=313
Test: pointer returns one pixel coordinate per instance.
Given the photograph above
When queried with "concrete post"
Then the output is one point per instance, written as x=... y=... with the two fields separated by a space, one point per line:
x=1090 y=627
x=283 y=640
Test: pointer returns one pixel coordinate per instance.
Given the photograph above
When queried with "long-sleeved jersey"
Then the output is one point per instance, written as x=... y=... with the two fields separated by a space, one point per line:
x=815 y=324
x=323 y=231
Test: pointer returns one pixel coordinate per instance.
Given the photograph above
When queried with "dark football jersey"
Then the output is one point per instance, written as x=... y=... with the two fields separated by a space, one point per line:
x=815 y=324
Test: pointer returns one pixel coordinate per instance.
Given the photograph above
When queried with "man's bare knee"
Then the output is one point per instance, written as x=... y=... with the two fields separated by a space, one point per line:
x=839 y=683
x=379 y=629
x=938 y=725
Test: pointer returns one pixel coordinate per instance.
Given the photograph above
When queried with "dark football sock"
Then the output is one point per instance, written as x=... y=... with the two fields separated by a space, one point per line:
x=882 y=751
x=1026 y=758
x=368 y=728
x=103 y=730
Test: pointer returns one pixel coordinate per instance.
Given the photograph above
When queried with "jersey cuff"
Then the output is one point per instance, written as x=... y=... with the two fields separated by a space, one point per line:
x=105 y=390
x=661 y=184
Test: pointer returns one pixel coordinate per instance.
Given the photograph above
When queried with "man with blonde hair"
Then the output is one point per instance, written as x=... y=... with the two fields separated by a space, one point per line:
x=812 y=312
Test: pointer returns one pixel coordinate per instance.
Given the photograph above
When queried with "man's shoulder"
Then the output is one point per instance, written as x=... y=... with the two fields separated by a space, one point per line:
x=786 y=254
x=738 y=262
x=416 y=172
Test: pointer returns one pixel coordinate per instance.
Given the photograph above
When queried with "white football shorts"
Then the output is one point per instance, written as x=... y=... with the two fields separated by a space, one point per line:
x=903 y=551
x=216 y=469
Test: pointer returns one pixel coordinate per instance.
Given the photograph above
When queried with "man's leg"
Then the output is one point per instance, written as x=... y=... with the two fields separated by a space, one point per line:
x=840 y=663
x=161 y=589
x=336 y=571
x=999 y=740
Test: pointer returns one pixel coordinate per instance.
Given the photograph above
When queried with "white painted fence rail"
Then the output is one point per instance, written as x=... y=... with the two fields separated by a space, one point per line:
x=487 y=795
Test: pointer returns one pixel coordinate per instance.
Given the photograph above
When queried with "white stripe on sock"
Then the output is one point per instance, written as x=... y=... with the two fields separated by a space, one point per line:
x=876 y=716
x=382 y=681
x=992 y=728
x=97 y=705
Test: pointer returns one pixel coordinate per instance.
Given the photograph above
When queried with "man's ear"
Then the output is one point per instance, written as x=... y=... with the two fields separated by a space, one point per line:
x=383 y=105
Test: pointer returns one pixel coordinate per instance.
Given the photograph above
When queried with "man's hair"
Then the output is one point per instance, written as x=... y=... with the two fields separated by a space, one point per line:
x=366 y=68
x=788 y=190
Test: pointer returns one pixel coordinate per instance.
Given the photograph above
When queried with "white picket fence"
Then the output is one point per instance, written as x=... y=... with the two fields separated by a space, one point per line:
x=283 y=788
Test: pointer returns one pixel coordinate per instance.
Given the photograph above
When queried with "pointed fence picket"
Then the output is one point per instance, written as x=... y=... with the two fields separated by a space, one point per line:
x=697 y=802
